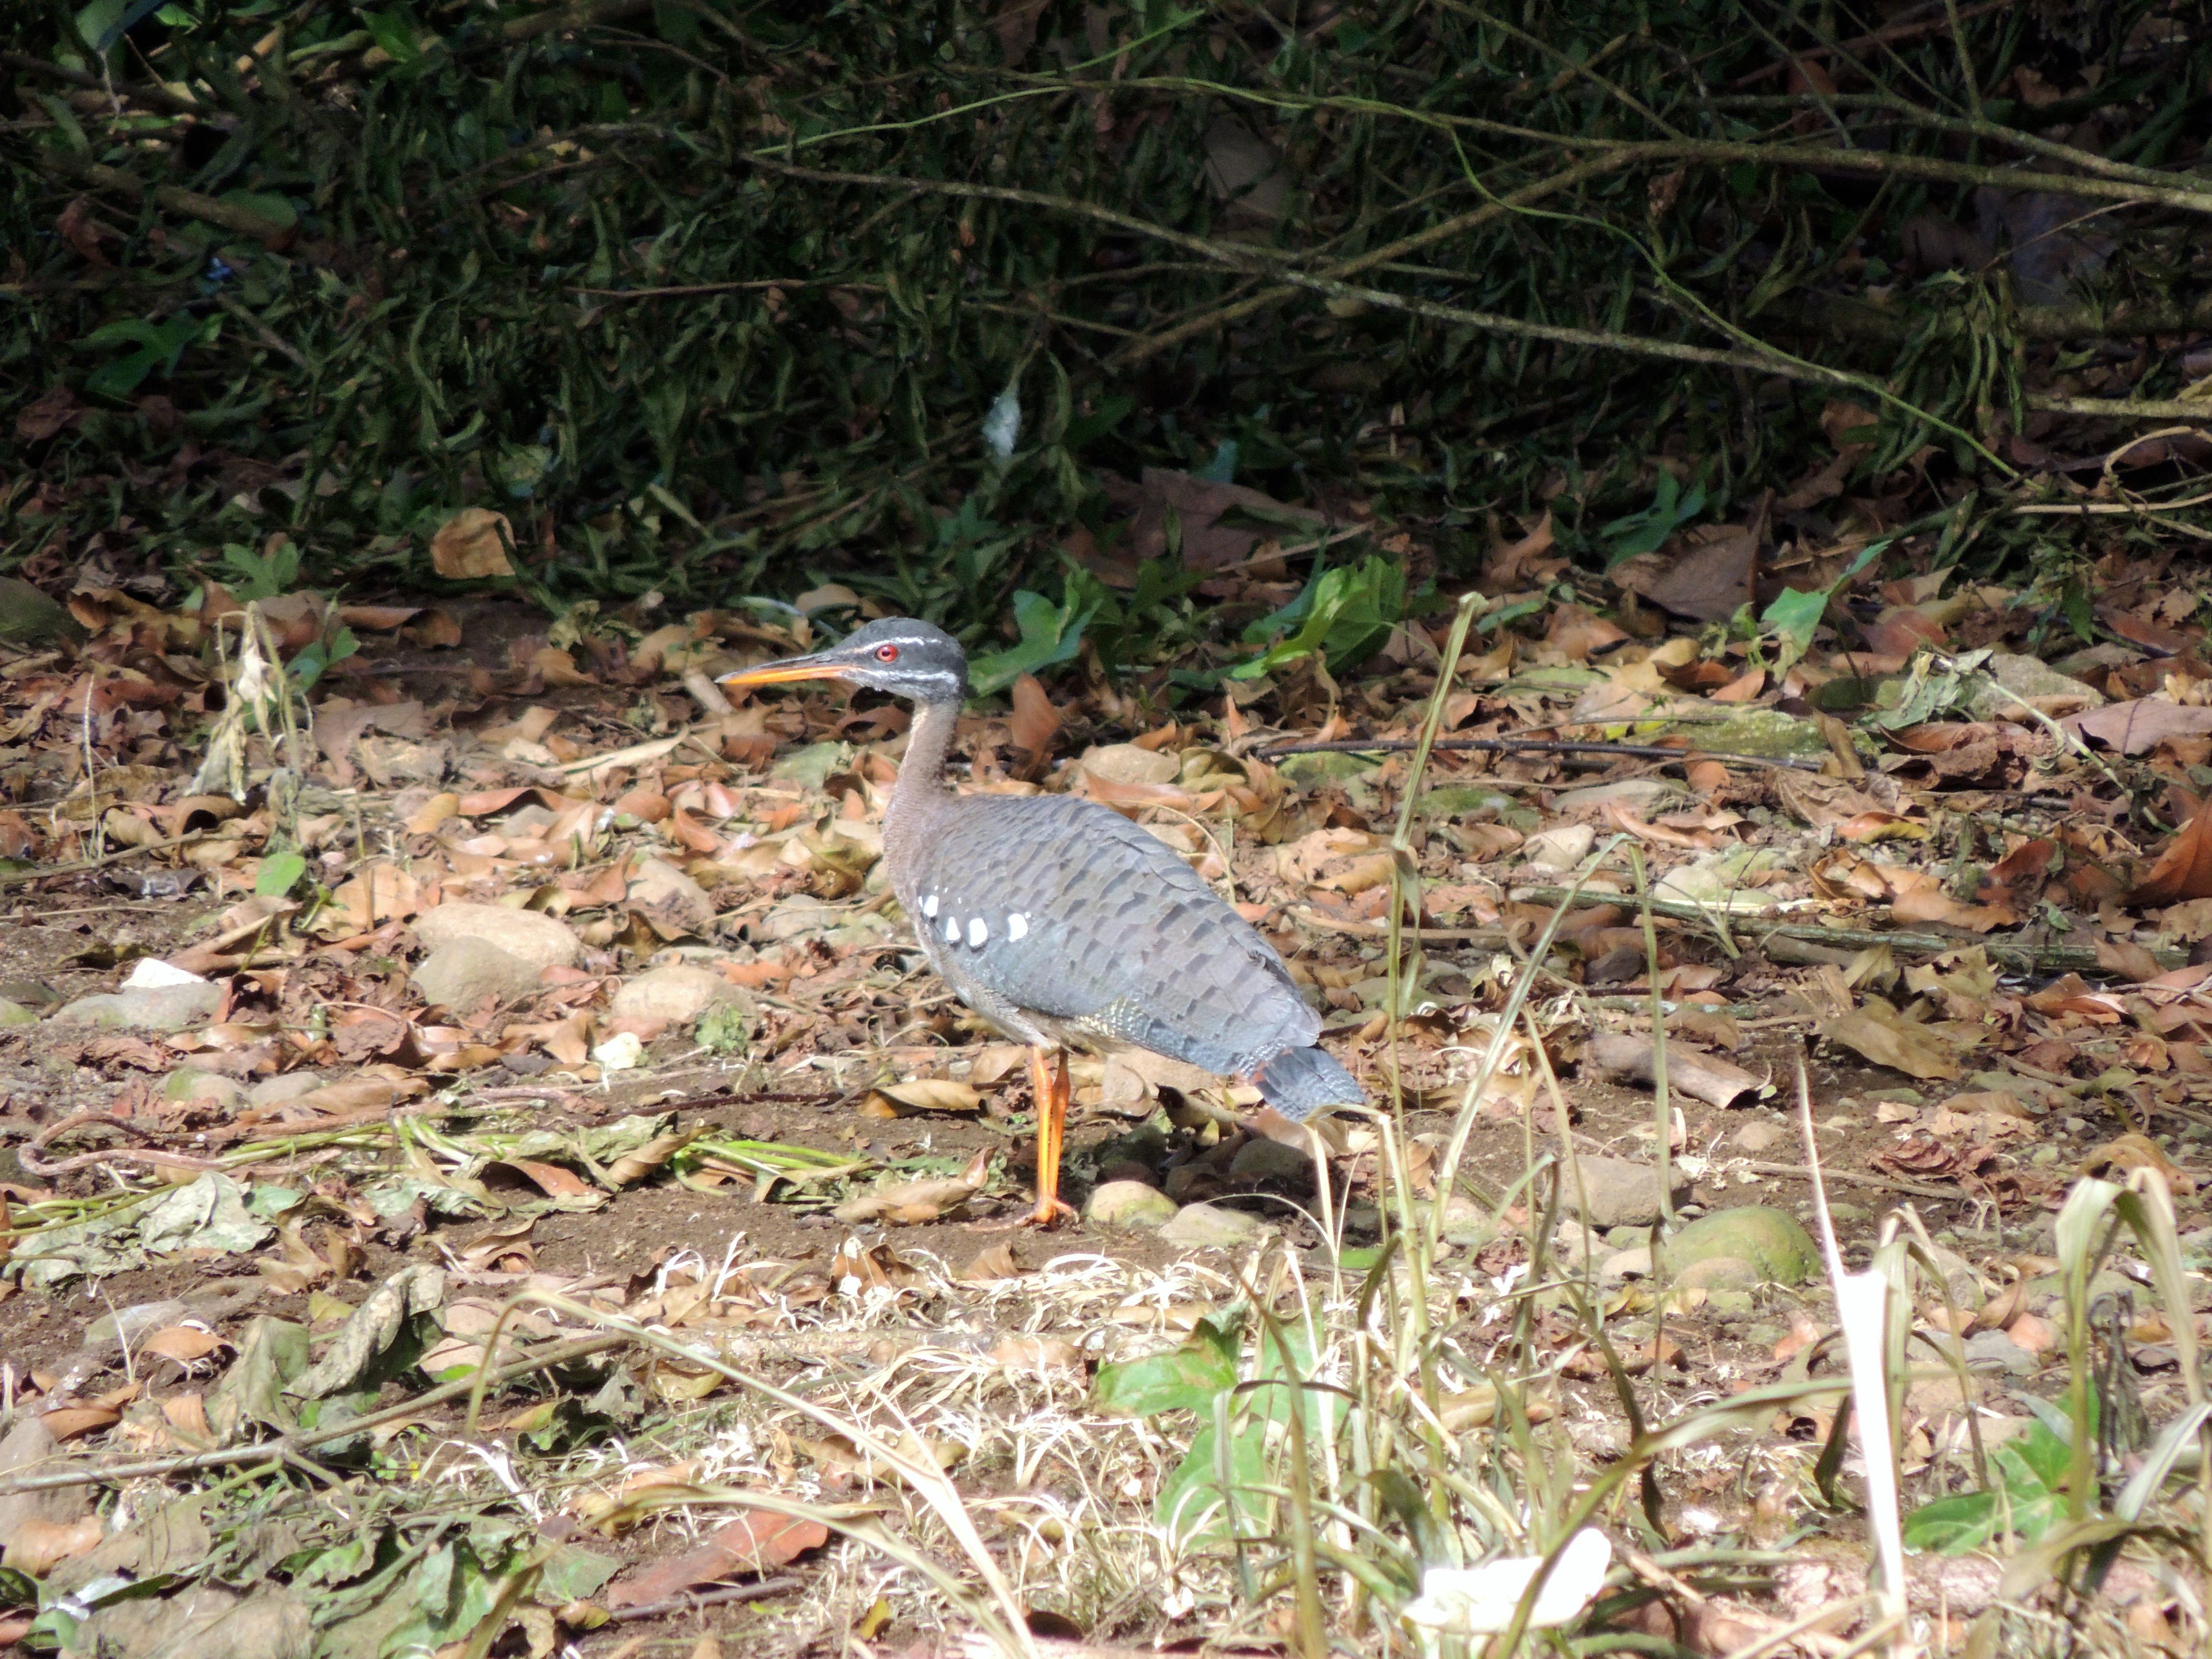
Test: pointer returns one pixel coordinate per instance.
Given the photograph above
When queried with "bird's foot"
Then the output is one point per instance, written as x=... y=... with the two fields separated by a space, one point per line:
x=1048 y=1215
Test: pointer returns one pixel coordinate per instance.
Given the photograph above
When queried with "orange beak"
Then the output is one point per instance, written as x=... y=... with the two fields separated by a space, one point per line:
x=784 y=672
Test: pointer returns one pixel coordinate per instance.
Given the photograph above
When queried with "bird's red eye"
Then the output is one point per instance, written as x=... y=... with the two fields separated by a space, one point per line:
x=887 y=653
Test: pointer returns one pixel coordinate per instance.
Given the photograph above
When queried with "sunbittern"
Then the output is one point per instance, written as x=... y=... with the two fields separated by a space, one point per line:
x=1062 y=922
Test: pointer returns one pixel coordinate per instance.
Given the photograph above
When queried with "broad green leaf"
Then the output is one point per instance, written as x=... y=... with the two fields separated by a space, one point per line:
x=1051 y=635
x=1794 y=615
x=1191 y=1506
x=279 y=874
x=1185 y=1378
x=1952 y=1526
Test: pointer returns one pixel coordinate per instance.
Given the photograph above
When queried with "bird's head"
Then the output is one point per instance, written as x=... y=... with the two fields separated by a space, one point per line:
x=906 y=658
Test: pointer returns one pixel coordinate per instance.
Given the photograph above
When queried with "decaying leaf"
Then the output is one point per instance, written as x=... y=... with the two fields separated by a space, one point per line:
x=473 y=544
x=755 y=1544
x=1885 y=1036
x=911 y=1202
x=2183 y=869
x=927 y=1094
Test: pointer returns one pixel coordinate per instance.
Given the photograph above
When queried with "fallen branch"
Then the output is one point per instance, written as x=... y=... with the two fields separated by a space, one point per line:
x=1535 y=746
x=2015 y=955
x=190 y=203
x=302 y=1440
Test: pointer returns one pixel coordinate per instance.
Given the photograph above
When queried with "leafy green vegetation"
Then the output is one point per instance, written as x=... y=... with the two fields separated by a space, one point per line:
x=718 y=300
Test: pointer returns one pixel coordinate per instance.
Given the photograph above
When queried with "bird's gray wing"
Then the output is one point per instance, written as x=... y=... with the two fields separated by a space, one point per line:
x=1070 y=910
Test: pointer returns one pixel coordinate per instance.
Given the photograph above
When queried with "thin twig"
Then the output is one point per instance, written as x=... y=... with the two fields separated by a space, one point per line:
x=158 y=1469
x=691 y=1599
x=1535 y=746
x=79 y=866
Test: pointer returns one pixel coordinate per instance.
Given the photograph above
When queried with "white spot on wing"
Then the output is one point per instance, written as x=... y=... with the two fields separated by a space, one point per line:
x=952 y=930
x=1017 y=926
x=929 y=907
x=977 y=932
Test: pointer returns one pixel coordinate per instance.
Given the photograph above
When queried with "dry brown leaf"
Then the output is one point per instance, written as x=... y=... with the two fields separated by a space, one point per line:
x=2127 y=959
x=909 y=1203
x=1887 y=1038
x=67 y=1422
x=2141 y=725
x=633 y=1167
x=38 y=1545
x=1037 y=1355
x=556 y=667
x=182 y=1343
x=755 y=1543
x=1035 y=722
x=2124 y=1154
x=2184 y=870
x=992 y=1261
x=930 y=1094
x=471 y=545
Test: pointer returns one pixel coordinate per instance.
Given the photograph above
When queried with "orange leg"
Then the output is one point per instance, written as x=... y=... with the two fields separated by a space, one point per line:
x=1049 y=1084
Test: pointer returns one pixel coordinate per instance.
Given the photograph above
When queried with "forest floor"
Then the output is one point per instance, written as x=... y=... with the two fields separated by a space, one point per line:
x=564 y=1008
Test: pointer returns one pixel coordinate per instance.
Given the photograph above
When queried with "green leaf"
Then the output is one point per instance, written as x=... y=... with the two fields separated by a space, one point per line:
x=276 y=207
x=395 y=32
x=1051 y=635
x=1794 y=615
x=1347 y=613
x=1192 y=1506
x=1643 y=532
x=279 y=874
x=1186 y=1378
x=1952 y=1526
x=2047 y=1458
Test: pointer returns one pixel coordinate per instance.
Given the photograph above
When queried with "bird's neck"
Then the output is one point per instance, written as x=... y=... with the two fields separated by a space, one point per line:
x=921 y=774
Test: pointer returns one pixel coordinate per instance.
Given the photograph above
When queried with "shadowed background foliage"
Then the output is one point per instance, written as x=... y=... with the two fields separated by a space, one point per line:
x=719 y=299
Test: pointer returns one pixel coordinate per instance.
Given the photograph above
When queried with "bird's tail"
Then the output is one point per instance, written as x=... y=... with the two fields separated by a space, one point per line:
x=1300 y=1081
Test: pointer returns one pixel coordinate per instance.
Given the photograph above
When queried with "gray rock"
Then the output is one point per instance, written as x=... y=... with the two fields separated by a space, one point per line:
x=1261 y=1159
x=1759 y=1136
x=463 y=972
x=1572 y=1245
x=1561 y=848
x=678 y=994
x=2029 y=678
x=535 y=937
x=1641 y=795
x=1621 y=1193
x=206 y=1619
x=1632 y=1263
x=1731 y=1303
x=290 y=1085
x=1995 y=1351
x=1770 y=1240
x=671 y=895
x=1719 y=1273
x=1128 y=1206
x=1468 y=1223
x=146 y=1008
x=1210 y=1227
x=29 y=1449
x=189 y=1083
x=29 y=614
x=1187 y=1181
x=15 y=1013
